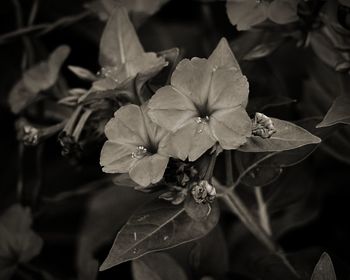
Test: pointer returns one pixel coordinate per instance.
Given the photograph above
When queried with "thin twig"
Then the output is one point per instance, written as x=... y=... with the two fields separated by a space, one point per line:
x=45 y=27
x=228 y=168
x=33 y=12
x=262 y=211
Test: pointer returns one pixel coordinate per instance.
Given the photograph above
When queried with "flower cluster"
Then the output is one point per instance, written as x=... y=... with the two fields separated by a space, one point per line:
x=204 y=105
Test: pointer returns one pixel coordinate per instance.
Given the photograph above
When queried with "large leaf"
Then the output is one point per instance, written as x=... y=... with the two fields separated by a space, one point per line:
x=271 y=165
x=157 y=226
x=157 y=266
x=324 y=269
x=338 y=113
x=38 y=78
x=18 y=242
x=106 y=212
x=288 y=136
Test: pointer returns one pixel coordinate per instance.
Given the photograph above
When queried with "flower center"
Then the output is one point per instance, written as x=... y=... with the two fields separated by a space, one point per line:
x=140 y=152
x=202 y=122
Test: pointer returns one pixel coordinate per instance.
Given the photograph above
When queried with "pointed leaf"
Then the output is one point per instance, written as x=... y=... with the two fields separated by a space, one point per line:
x=40 y=77
x=288 y=136
x=157 y=226
x=157 y=266
x=324 y=269
x=338 y=113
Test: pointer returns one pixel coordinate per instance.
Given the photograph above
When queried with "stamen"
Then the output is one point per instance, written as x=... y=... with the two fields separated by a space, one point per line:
x=141 y=151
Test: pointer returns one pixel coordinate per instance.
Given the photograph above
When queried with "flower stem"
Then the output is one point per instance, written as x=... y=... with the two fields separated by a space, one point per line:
x=228 y=167
x=209 y=173
x=262 y=210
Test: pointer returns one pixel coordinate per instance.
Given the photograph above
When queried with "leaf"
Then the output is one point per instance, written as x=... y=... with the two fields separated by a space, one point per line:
x=38 y=78
x=157 y=266
x=157 y=226
x=197 y=211
x=324 y=269
x=271 y=164
x=338 y=113
x=18 y=242
x=83 y=73
x=105 y=213
x=288 y=136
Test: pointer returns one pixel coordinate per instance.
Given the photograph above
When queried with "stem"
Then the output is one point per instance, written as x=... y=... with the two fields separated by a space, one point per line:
x=228 y=167
x=209 y=173
x=250 y=168
x=238 y=208
x=262 y=211
x=33 y=12
x=80 y=125
x=19 y=188
x=44 y=27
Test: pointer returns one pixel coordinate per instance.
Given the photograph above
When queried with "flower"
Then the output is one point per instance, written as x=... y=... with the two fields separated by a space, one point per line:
x=18 y=242
x=204 y=104
x=247 y=13
x=135 y=145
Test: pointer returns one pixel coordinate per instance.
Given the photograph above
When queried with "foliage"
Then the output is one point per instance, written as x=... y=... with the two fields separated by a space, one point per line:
x=217 y=162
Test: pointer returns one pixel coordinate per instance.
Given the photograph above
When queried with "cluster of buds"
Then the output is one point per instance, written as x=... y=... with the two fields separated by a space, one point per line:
x=203 y=192
x=262 y=126
x=32 y=135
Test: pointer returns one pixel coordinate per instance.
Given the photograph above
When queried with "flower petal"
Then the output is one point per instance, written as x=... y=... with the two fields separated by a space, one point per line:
x=149 y=170
x=116 y=158
x=127 y=126
x=246 y=13
x=171 y=109
x=229 y=89
x=283 y=11
x=192 y=78
x=190 y=141
x=231 y=127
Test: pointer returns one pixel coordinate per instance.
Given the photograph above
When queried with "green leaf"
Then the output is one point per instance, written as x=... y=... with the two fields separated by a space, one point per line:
x=157 y=266
x=157 y=226
x=197 y=211
x=38 y=78
x=338 y=113
x=324 y=269
x=288 y=136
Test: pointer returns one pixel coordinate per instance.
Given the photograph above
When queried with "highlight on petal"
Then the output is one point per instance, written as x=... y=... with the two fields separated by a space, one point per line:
x=169 y=108
x=246 y=13
x=283 y=11
x=231 y=127
x=149 y=170
x=190 y=141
